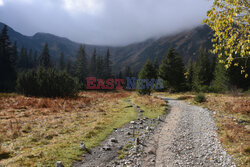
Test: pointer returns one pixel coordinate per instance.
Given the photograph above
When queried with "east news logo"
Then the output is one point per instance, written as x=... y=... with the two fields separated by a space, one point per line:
x=131 y=83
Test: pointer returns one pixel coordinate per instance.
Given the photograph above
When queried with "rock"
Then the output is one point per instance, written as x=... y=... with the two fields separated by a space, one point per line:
x=214 y=113
x=132 y=122
x=137 y=141
x=59 y=164
x=151 y=151
x=82 y=146
x=242 y=121
x=106 y=148
x=132 y=127
x=129 y=133
x=129 y=106
x=247 y=127
x=113 y=140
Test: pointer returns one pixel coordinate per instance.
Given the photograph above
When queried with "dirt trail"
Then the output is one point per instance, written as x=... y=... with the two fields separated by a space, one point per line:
x=188 y=138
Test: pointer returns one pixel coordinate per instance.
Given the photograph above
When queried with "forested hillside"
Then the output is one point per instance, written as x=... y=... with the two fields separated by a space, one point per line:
x=134 y=55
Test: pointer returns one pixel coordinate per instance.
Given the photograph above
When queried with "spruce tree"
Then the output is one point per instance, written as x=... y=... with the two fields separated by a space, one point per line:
x=92 y=66
x=107 y=66
x=14 y=55
x=156 y=67
x=120 y=76
x=172 y=71
x=44 y=60
x=221 y=80
x=69 y=67
x=30 y=59
x=147 y=72
x=61 y=65
x=128 y=72
x=23 y=61
x=35 y=59
x=7 y=67
x=190 y=74
x=100 y=67
x=81 y=66
x=236 y=78
x=202 y=72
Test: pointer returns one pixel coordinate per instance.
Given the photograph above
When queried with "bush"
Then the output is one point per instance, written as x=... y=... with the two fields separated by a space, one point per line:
x=200 y=98
x=47 y=83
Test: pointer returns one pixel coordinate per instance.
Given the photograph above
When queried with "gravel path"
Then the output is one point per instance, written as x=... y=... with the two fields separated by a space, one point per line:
x=186 y=137
x=189 y=138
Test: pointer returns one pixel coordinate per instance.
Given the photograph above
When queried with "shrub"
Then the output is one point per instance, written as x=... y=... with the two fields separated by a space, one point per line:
x=200 y=98
x=47 y=83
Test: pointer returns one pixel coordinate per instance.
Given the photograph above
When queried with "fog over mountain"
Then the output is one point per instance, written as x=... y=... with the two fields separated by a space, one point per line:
x=134 y=55
x=103 y=22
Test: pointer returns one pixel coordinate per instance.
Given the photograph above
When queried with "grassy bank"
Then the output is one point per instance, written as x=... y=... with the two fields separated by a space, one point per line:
x=232 y=118
x=152 y=107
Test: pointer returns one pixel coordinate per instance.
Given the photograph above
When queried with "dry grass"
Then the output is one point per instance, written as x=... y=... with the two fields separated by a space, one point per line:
x=233 y=120
x=153 y=107
x=41 y=131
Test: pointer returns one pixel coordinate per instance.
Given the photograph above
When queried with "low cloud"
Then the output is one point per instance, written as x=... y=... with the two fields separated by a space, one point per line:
x=105 y=22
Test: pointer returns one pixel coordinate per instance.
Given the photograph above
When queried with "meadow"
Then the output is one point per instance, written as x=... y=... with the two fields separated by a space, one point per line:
x=41 y=131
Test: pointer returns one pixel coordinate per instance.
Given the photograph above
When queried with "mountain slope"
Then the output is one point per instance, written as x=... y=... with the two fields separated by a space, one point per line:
x=56 y=44
x=135 y=55
x=187 y=44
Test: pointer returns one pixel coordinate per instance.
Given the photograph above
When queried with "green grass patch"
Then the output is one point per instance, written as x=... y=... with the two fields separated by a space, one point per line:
x=151 y=106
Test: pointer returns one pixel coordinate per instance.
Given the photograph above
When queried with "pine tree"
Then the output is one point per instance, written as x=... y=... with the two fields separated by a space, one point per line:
x=92 y=66
x=61 y=65
x=107 y=66
x=99 y=67
x=30 y=59
x=35 y=59
x=202 y=72
x=172 y=71
x=81 y=66
x=156 y=67
x=120 y=76
x=14 y=56
x=221 y=80
x=69 y=67
x=213 y=63
x=190 y=74
x=147 y=72
x=128 y=72
x=23 y=63
x=7 y=67
x=236 y=79
x=44 y=60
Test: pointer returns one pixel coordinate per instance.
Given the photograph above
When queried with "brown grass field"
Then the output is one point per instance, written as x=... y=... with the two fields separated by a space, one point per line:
x=41 y=131
x=233 y=120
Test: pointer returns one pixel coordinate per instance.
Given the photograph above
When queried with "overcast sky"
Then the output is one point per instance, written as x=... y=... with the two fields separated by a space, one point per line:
x=105 y=22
